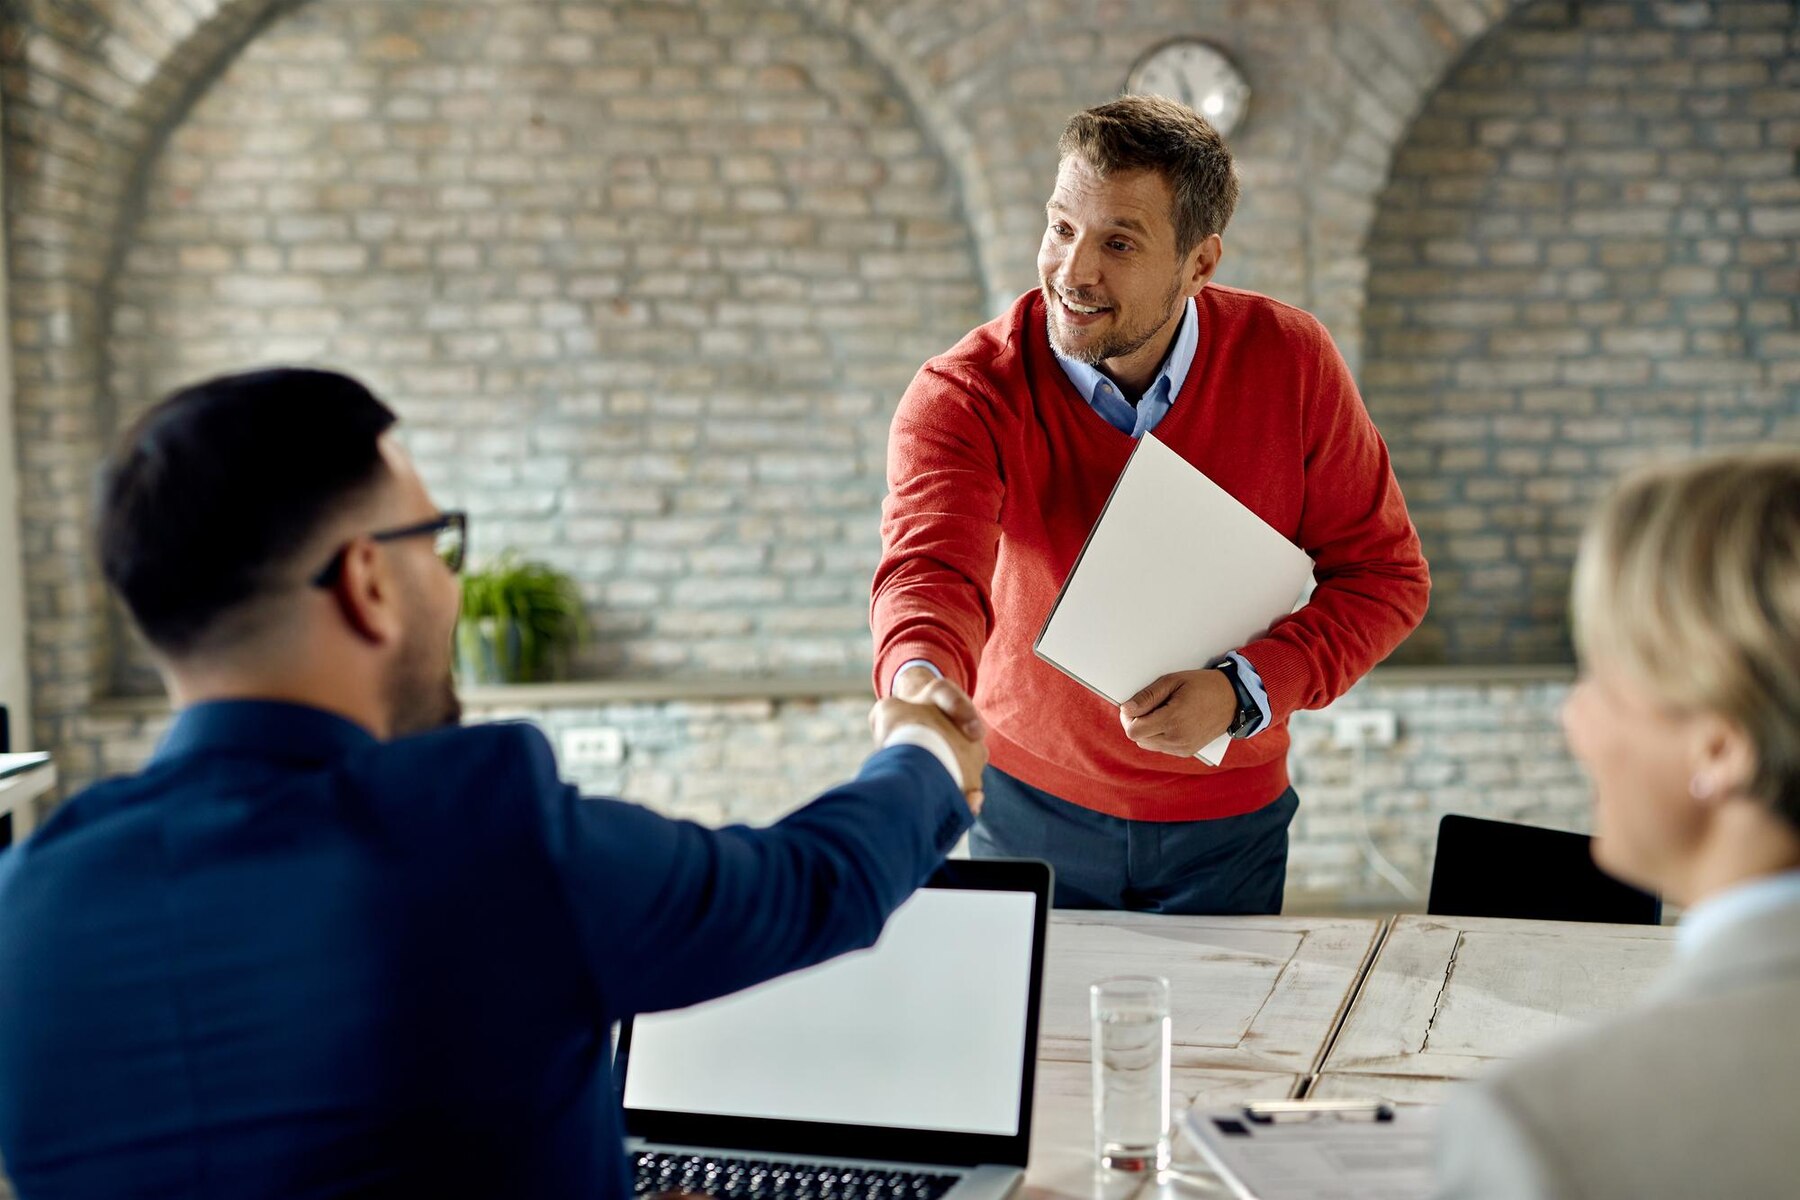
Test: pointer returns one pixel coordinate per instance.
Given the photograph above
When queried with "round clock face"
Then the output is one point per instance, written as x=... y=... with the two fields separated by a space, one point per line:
x=1199 y=76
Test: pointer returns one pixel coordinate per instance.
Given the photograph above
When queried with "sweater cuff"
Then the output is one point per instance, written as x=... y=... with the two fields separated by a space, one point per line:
x=940 y=658
x=916 y=662
x=1286 y=673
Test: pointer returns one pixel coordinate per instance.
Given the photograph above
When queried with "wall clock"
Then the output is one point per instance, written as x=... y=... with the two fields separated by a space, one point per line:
x=1199 y=75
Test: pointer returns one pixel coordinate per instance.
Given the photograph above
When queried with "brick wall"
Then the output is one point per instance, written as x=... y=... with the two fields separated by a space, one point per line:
x=1589 y=254
x=642 y=283
x=1468 y=743
x=13 y=678
x=970 y=90
x=520 y=220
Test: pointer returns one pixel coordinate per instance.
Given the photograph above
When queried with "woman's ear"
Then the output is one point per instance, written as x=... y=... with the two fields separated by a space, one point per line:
x=1724 y=760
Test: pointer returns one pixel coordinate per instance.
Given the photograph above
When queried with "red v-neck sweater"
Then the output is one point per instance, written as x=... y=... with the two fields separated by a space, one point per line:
x=997 y=470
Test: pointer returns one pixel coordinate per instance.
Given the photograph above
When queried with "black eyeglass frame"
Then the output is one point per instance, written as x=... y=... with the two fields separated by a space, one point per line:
x=455 y=519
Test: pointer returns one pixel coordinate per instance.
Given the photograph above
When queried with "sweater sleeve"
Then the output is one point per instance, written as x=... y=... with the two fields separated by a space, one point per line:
x=940 y=533
x=1372 y=580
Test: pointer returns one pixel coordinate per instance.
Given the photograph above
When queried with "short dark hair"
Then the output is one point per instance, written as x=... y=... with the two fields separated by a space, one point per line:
x=1149 y=133
x=219 y=485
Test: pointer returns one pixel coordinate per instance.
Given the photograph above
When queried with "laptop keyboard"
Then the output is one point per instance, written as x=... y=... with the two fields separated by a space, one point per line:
x=757 y=1178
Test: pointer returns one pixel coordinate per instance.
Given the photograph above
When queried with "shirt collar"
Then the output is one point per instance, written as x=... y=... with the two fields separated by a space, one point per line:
x=1708 y=919
x=1169 y=377
x=261 y=728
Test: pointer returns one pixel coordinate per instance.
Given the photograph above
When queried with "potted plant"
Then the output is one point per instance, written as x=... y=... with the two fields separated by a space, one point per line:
x=519 y=621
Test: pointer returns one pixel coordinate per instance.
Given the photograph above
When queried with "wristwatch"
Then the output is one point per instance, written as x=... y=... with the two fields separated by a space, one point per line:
x=1244 y=721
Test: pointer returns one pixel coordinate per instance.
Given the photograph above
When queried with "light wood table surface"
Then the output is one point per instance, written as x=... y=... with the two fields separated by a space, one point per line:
x=1062 y=1132
x=1261 y=994
x=1448 y=995
x=1348 y=1010
x=1253 y=1004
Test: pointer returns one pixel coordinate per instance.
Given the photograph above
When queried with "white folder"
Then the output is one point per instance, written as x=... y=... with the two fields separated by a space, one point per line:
x=1319 y=1150
x=1175 y=574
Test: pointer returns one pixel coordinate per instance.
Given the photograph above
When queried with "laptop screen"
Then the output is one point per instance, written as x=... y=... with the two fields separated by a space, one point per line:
x=927 y=1030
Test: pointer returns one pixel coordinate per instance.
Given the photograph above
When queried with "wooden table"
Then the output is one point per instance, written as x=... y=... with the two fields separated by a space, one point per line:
x=1261 y=994
x=18 y=798
x=1350 y=1008
x=1062 y=1131
x=1448 y=995
x=1253 y=1000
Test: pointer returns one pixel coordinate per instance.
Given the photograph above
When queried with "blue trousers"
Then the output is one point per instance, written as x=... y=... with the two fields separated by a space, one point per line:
x=1229 y=865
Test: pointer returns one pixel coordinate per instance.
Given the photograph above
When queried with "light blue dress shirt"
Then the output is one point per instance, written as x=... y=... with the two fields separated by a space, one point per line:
x=1105 y=398
x=1707 y=919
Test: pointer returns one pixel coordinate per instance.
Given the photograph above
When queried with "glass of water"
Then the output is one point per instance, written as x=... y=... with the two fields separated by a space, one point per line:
x=1130 y=1038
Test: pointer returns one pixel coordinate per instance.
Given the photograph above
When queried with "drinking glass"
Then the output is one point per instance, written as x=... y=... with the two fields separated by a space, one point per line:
x=1130 y=1039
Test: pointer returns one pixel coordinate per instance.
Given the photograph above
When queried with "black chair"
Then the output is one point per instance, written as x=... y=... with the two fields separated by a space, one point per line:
x=1502 y=869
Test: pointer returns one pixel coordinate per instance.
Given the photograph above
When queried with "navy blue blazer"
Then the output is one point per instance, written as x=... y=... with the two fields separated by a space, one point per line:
x=291 y=960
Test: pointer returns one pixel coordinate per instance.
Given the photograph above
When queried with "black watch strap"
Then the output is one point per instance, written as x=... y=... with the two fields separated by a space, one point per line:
x=1247 y=711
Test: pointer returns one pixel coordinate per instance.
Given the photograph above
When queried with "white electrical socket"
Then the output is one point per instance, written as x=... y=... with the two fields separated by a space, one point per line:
x=1370 y=727
x=593 y=746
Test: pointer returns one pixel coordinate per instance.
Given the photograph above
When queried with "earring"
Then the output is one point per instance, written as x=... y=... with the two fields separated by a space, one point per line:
x=1701 y=787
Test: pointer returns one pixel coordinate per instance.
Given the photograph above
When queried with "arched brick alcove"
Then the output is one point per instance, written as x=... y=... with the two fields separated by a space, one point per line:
x=91 y=100
x=1585 y=257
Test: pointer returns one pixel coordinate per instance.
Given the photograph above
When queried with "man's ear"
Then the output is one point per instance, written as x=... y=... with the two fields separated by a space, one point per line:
x=365 y=592
x=1203 y=260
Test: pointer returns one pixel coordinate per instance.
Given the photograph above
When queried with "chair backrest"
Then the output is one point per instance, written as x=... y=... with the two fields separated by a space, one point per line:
x=1501 y=869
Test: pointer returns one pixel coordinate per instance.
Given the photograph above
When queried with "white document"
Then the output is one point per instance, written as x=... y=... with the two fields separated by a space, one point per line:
x=15 y=764
x=1176 y=574
x=1327 y=1155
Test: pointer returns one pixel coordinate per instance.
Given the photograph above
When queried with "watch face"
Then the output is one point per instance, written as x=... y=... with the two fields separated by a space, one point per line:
x=1198 y=75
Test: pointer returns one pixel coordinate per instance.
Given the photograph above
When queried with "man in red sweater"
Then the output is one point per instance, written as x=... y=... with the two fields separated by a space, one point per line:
x=1000 y=458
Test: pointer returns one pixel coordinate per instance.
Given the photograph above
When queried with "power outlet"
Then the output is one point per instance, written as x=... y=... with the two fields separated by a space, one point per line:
x=594 y=746
x=1370 y=727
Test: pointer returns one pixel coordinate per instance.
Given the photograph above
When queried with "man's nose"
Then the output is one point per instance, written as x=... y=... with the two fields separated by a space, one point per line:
x=1080 y=266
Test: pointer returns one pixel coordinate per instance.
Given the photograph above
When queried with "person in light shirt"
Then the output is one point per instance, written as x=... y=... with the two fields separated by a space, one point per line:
x=1687 y=717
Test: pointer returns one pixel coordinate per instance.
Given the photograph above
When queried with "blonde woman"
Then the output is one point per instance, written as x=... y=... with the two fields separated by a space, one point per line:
x=1687 y=718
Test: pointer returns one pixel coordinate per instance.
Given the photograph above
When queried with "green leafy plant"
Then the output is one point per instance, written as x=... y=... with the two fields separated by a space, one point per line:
x=519 y=621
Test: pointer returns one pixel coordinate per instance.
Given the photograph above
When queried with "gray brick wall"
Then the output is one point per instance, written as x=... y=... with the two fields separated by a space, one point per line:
x=609 y=326
x=642 y=281
x=1589 y=254
x=971 y=90
x=1491 y=746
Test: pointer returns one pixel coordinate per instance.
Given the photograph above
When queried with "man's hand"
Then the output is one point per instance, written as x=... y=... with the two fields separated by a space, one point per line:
x=890 y=714
x=921 y=686
x=1180 y=713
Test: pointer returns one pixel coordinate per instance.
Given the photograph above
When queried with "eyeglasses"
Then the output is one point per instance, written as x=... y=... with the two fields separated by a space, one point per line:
x=450 y=529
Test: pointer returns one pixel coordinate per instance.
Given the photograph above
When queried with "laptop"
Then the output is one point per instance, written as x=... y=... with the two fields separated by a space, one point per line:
x=901 y=1072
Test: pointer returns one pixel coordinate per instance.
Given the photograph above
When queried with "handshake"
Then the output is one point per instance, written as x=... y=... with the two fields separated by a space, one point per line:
x=922 y=698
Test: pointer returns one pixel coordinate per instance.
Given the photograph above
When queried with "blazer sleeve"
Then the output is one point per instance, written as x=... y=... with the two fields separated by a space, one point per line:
x=1486 y=1150
x=669 y=913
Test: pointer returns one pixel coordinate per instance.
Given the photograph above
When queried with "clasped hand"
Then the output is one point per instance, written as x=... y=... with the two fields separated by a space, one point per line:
x=922 y=698
x=1180 y=713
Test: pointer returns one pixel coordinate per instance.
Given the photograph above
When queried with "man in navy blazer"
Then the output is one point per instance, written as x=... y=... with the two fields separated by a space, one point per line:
x=327 y=943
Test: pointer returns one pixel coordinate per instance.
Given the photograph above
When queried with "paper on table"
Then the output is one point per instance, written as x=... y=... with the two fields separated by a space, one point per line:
x=1322 y=1156
x=14 y=764
x=1175 y=574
